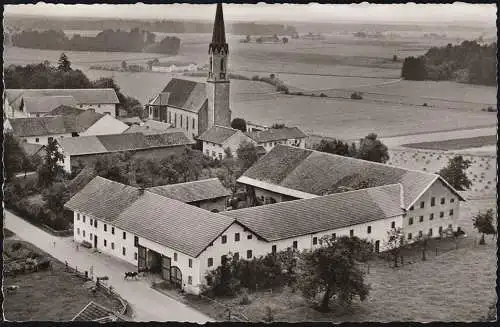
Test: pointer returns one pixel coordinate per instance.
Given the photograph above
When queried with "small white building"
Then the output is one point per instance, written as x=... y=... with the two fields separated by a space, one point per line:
x=269 y=138
x=253 y=127
x=175 y=66
x=32 y=102
x=217 y=139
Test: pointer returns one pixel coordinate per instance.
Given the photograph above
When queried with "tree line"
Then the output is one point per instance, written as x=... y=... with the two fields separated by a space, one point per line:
x=468 y=62
x=109 y=40
x=62 y=76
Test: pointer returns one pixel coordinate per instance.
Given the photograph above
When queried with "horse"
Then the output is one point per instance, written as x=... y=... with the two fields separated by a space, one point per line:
x=131 y=274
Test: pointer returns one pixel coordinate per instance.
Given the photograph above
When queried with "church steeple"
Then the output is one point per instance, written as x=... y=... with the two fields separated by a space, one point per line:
x=218 y=44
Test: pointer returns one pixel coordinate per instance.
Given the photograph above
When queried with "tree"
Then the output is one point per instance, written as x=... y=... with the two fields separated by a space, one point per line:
x=13 y=155
x=333 y=271
x=124 y=65
x=285 y=40
x=334 y=146
x=248 y=38
x=395 y=242
x=483 y=222
x=372 y=149
x=455 y=173
x=64 y=65
x=56 y=196
x=247 y=154
x=51 y=168
x=277 y=126
x=239 y=123
x=394 y=58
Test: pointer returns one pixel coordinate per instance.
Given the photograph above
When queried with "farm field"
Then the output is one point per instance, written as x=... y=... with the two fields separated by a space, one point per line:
x=66 y=292
x=456 y=144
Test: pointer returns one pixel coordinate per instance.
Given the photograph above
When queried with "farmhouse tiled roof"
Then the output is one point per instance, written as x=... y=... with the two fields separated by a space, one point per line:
x=195 y=191
x=308 y=216
x=179 y=226
x=44 y=104
x=320 y=173
x=50 y=125
x=217 y=134
x=82 y=96
x=183 y=94
x=64 y=110
x=121 y=142
x=96 y=312
x=276 y=134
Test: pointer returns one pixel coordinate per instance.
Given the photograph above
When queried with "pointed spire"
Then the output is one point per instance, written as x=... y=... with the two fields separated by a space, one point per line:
x=219 y=34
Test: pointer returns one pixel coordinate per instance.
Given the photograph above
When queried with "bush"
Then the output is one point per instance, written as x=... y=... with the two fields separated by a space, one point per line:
x=356 y=96
x=244 y=298
x=322 y=95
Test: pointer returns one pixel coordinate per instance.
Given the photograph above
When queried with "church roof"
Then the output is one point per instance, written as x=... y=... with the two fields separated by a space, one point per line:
x=219 y=34
x=182 y=94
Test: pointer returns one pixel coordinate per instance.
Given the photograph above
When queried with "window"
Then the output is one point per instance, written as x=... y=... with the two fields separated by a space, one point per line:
x=98 y=105
x=207 y=152
x=77 y=216
x=421 y=218
x=112 y=245
x=124 y=235
x=222 y=64
x=220 y=156
x=451 y=212
x=95 y=223
x=430 y=231
x=223 y=259
x=175 y=256
x=81 y=106
x=249 y=236
x=236 y=255
x=441 y=214
x=136 y=241
x=273 y=249
x=210 y=262
x=113 y=230
x=410 y=221
x=351 y=233
x=175 y=119
x=190 y=263
x=193 y=123
x=369 y=229
x=433 y=201
x=442 y=200
x=295 y=244
x=334 y=235
x=450 y=226
x=249 y=254
x=315 y=240
x=393 y=224
x=105 y=227
x=105 y=243
x=440 y=229
x=213 y=153
x=78 y=231
x=83 y=233
x=91 y=236
x=37 y=140
x=409 y=236
x=91 y=222
x=190 y=280
x=431 y=216
x=422 y=205
x=224 y=239
x=411 y=208
x=124 y=251
x=452 y=200
x=420 y=233
x=236 y=237
x=181 y=120
x=83 y=218
x=135 y=255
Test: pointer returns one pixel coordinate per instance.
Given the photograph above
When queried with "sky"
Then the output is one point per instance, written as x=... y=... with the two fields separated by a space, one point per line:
x=409 y=12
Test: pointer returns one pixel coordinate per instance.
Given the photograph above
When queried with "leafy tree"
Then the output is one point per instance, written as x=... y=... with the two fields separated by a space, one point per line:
x=13 y=155
x=222 y=281
x=334 y=146
x=372 y=149
x=395 y=242
x=51 y=168
x=285 y=40
x=414 y=69
x=64 y=65
x=278 y=126
x=483 y=222
x=56 y=196
x=239 y=123
x=248 y=38
x=247 y=154
x=333 y=271
x=455 y=173
x=124 y=65
x=394 y=58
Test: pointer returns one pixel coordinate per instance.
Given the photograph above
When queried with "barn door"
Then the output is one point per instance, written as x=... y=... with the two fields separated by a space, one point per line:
x=141 y=258
x=165 y=267
x=176 y=277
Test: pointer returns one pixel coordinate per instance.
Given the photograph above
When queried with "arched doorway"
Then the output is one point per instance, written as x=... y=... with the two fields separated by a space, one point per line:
x=176 y=276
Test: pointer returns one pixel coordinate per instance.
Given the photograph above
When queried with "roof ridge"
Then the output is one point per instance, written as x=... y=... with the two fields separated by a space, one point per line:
x=183 y=183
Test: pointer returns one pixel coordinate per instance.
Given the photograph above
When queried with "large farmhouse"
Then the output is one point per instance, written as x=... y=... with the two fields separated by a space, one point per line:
x=20 y=103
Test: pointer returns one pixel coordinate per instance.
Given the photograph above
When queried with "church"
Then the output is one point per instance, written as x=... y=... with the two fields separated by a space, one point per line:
x=192 y=106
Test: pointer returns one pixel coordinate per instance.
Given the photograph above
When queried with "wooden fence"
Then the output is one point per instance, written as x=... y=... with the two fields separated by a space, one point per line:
x=232 y=314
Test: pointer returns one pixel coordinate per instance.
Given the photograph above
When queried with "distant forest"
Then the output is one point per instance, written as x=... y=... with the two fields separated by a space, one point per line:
x=468 y=62
x=108 y=40
x=162 y=26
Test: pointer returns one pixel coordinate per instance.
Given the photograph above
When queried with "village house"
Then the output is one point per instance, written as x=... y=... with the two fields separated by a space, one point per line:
x=269 y=138
x=254 y=127
x=288 y=173
x=20 y=103
x=84 y=150
x=174 y=66
x=39 y=130
x=219 y=139
x=208 y=194
x=193 y=106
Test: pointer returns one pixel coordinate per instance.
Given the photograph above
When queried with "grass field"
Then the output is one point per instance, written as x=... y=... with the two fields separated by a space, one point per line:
x=438 y=289
x=456 y=144
x=46 y=295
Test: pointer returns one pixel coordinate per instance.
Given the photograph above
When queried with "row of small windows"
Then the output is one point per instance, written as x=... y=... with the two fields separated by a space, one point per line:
x=431 y=217
x=236 y=238
x=421 y=233
x=433 y=202
x=105 y=243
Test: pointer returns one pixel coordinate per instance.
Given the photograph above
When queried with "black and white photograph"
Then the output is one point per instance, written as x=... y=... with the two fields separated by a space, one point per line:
x=250 y=162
